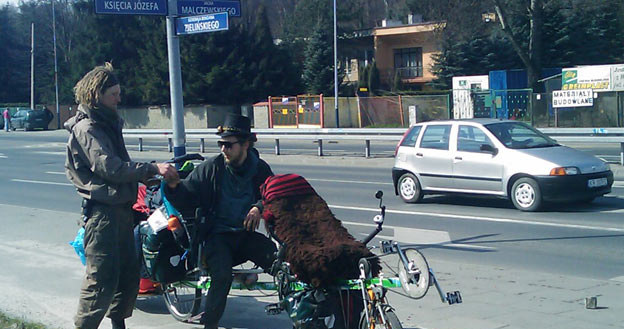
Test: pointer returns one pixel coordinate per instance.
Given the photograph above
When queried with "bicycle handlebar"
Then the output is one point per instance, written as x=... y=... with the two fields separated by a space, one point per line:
x=186 y=157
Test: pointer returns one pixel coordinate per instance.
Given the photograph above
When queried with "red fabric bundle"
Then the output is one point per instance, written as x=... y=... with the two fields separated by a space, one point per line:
x=318 y=248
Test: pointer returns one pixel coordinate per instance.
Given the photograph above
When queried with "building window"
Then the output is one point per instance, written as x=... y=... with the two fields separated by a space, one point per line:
x=408 y=62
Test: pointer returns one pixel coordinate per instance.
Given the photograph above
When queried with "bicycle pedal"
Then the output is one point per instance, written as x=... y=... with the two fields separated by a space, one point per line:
x=453 y=297
x=273 y=309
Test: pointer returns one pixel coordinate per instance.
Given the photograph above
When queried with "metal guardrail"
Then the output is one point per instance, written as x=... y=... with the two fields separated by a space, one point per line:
x=582 y=135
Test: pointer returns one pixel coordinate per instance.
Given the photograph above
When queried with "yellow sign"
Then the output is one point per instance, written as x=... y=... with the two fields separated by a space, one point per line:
x=363 y=89
x=284 y=111
x=301 y=110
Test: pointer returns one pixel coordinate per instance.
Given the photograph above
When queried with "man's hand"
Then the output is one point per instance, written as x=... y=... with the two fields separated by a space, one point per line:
x=252 y=221
x=170 y=173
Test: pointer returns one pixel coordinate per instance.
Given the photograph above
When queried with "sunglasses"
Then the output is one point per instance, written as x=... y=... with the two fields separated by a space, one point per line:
x=227 y=145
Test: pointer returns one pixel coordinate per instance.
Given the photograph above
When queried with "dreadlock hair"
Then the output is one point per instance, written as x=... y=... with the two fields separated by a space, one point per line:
x=95 y=82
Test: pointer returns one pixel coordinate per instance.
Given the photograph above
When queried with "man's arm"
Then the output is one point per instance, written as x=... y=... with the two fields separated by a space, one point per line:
x=104 y=163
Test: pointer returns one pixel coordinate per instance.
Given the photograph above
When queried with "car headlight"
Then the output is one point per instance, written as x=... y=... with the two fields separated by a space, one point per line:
x=564 y=171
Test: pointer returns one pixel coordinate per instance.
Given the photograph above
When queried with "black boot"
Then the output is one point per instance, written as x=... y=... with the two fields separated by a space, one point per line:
x=118 y=324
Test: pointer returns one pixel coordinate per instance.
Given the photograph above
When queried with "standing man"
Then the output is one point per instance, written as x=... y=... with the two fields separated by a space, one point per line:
x=227 y=188
x=100 y=168
x=7 y=120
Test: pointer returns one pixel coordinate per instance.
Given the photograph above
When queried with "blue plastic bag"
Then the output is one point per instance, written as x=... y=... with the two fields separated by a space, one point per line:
x=78 y=245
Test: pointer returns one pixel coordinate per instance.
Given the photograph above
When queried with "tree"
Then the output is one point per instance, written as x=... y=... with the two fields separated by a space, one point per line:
x=318 y=67
x=15 y=59
x=373 y=79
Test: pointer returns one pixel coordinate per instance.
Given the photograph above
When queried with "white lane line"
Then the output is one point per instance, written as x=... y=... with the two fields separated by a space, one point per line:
x=40 y=182
x=426 y=238
x=485 y=219
x=618 y=278
x=345 y=181
x=51 y=152
x=55 y=173
x=2 y=156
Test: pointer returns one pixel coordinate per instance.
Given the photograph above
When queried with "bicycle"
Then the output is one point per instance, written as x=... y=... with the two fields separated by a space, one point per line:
x=414 y=274
x=183 y=297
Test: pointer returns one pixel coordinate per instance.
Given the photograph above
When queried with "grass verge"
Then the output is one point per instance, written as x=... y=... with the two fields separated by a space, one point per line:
x=7 y=322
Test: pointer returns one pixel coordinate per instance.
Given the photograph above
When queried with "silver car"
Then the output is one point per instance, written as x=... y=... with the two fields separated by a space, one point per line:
x=503 y=158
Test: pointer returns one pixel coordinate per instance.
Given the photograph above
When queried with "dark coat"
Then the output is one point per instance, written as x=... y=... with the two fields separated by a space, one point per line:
x=201 y=189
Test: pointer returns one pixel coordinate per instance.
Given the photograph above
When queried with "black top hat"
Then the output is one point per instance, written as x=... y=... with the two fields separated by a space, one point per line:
x=235 y=125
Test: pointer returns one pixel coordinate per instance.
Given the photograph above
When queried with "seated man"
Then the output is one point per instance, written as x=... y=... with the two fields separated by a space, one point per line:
x=227 y=188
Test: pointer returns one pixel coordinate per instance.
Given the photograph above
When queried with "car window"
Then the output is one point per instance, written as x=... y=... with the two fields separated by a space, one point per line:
x=436 y=137
x=411 y=137
x=517 y=135
x=470 y=139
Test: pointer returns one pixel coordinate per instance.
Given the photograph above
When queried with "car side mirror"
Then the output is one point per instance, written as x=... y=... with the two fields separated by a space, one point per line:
x=489 y=149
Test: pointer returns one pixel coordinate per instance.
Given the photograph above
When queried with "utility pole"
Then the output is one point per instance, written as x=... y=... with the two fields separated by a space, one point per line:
x=175 y=82
x=32 y=66
x=336 y=67
x=58 y=112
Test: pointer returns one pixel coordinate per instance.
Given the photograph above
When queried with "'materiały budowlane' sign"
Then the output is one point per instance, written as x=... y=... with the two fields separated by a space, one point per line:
x=573 y=98
x=202 y=23
x=131 y=7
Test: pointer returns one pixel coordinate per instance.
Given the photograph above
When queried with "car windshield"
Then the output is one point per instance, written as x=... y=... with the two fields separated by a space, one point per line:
x=518 y=135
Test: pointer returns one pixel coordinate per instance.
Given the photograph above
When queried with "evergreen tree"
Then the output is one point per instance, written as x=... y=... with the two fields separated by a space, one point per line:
x=318 y=66
x=15 y=60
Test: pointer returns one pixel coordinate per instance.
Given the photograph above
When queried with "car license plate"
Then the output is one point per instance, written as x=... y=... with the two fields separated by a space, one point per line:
x=597 y=182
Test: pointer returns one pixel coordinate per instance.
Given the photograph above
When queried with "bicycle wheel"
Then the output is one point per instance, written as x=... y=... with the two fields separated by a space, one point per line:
x=414 y=284
x=183 y=301
x=392 y=321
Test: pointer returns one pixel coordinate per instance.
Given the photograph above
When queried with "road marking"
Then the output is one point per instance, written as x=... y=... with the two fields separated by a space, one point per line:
x=40 y=182
x=618 y=278
x=345 y=181
x=414 y=236
x=3 y=156
x=51 y=152
x=484 y=219
x=55 y=172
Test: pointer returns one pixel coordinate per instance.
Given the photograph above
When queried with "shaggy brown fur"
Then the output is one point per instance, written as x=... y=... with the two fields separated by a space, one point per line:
x=318 y=248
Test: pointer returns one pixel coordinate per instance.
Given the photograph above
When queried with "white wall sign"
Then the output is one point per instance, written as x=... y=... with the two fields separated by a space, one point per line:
x=573 y=98
x=617 y=77
x=596 y=77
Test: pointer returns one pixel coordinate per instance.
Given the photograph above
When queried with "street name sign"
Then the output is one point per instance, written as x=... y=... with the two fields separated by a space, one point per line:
x=202 y=23
x=191 y=7
x=131 y=7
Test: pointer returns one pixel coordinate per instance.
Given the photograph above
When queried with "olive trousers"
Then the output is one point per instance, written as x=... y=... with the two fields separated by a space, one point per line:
x=111 y=281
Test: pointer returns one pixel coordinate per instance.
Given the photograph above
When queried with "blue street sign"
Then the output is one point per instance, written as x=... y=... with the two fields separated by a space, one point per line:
x=131 y=7
x=189 y=8
x=201 y=23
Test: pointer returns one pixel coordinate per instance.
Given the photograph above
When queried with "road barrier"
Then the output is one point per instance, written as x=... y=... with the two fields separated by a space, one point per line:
x=581 y=135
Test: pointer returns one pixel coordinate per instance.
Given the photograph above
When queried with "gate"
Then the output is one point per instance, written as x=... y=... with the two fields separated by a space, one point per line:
x=304 y=111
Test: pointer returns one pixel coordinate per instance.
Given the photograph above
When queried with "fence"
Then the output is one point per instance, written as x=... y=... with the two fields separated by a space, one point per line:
x=607 y=111
x=537 y=109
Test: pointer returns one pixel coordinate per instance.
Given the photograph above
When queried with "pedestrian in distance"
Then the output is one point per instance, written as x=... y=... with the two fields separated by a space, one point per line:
x=227 y=188
x=100 y=168
x=7 y=120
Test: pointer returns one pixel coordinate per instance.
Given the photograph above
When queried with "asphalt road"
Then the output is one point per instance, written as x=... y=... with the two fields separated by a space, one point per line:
x=457 y=234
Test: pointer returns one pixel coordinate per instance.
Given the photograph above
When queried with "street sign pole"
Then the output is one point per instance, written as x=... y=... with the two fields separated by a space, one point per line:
x=175 y=82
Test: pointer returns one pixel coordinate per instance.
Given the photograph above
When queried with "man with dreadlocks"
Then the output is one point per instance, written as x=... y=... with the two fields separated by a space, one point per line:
x=100 y=168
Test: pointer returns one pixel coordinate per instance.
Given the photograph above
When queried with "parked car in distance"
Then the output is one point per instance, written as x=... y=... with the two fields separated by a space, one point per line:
x=504 y=158
x=31 y=119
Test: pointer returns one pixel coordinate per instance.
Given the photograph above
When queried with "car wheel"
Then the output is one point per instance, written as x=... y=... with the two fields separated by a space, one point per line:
x=526 y=194
x=409 y=188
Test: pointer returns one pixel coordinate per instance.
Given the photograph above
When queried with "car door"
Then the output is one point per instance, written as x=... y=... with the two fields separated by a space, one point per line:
x=433 y=159
x=476 y=170
x=17 y=120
